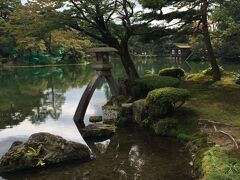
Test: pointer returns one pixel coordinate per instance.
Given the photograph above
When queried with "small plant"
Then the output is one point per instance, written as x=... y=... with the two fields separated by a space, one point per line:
x=163 y=101
x=172 y=72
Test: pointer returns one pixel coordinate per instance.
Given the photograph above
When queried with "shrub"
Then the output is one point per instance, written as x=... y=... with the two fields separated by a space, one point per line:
x=73 y=56
x=164 y=126
x=172 y=72
x=163 y=101
x=141 y=87
x=209 y=71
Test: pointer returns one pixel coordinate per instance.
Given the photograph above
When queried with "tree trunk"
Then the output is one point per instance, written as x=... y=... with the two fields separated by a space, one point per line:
x=127 y=61
x=208 y=44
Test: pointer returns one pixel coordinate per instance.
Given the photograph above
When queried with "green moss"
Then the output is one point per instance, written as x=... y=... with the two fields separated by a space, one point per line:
x=220 y=164
x=209 y=71
x=95 y=119
x=123 y=99
x=111 y=107
x=165 y=100
x=153 y=82
x=216 y=101
x=165 y=126
x=172 y=72
x=199 y=77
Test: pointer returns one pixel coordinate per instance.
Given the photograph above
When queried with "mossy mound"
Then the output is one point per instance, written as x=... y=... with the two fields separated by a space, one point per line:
x=209 y=71
x=163 y=101
x=172 y=72
x=205 y=75
x=165 y=126
x=95 y=119
x=220 y=164
x=199 y=77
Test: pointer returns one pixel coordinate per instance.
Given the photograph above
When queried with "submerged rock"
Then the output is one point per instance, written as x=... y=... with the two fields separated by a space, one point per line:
x=42 y=149
x=98 y=131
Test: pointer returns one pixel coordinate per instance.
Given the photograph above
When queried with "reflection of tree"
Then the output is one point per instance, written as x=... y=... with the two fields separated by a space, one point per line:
x=35 y=93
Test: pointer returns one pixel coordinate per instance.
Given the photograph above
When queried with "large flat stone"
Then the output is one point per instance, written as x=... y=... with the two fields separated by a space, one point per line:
x=98 y=131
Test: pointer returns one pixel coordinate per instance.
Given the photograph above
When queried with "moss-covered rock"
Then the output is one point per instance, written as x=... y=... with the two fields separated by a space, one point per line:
x=165 y=126
x=172 y=72
x=199 y=77
x=95 y=119
x=42 y=149
x=139 y=111
x=93 y=131
x=111 y=113
x=209 y=71
x=163 y=101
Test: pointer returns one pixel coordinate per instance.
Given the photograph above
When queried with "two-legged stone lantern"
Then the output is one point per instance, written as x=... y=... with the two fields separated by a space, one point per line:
x=103 y=70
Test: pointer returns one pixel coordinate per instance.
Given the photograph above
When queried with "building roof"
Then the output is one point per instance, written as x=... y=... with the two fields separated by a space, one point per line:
x=182 y=45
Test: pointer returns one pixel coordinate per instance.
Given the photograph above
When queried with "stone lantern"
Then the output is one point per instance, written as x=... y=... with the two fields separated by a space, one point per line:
x=102 y=69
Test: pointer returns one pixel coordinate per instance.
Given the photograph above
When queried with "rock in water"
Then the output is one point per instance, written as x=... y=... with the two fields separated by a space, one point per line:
x=42 y=149
x=98 y=131
x=95 y=119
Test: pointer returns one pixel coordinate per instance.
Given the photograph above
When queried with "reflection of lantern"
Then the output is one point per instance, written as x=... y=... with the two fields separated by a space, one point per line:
x=179 y=52
x=173 y=52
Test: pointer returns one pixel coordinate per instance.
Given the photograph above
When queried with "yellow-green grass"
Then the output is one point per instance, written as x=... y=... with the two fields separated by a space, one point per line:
x=219 y=101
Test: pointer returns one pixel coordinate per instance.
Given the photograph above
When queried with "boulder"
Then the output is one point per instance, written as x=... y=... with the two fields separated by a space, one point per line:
x=139 y=111
x=42 y=149
x=98 y=131
x=95 y=119
x=110 y=114
x=127 y=111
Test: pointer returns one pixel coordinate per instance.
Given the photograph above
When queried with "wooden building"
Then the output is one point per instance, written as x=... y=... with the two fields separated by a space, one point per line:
x=181 y=51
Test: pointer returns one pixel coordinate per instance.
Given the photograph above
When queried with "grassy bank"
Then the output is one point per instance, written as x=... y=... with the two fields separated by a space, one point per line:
x=219 y=102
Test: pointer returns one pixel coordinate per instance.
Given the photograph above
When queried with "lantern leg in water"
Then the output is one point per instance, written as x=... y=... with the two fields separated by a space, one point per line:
x=87 y=95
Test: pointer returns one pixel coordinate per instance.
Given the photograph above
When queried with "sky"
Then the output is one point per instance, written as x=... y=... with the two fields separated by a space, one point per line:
x=23 y=1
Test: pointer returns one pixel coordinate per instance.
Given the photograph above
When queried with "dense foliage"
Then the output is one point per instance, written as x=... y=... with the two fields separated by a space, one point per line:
x=164 y=101
x=172 y=72
x=141 y=87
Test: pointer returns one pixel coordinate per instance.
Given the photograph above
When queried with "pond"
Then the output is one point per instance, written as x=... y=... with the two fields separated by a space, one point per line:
x=44 y=99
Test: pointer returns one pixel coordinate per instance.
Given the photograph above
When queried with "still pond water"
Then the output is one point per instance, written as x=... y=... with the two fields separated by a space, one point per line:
x=44 y=100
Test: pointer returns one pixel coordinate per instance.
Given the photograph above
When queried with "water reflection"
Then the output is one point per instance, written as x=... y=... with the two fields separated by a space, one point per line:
x=102 y=146
x=136 y=161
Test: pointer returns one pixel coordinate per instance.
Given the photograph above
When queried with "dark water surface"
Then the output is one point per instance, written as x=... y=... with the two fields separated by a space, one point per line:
x=44 y=100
